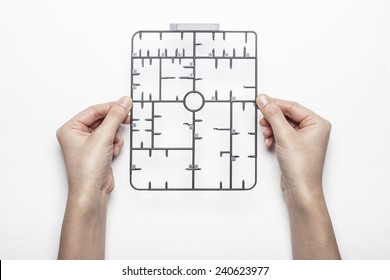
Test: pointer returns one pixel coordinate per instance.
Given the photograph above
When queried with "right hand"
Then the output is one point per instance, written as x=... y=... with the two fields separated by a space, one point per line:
x=300 y=137
x=89 y=141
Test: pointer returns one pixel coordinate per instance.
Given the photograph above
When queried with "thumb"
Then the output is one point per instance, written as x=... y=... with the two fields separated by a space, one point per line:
x=273 y=114
x=115 y=117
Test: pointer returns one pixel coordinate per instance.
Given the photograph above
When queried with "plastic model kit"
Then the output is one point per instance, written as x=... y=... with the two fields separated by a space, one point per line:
x=193 y=123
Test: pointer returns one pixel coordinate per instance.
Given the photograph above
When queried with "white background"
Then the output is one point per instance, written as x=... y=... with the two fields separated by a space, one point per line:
x=57 y=58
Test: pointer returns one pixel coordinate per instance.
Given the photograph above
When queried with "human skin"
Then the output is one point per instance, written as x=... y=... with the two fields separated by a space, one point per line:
x=301 y=138
x=89 y=141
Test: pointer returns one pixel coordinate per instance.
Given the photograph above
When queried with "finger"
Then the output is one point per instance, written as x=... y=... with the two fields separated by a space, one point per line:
x=99 y=122
x=118 y=136
x=293 y=124
x=268 y=142
x=118 y=147
x=274 y=115
x=267 y=132
x=115 y=151
x=93 y=113
x=294 y=111
x=263 y=122
x=127 y=120
x=115 y=117
x=96 y=124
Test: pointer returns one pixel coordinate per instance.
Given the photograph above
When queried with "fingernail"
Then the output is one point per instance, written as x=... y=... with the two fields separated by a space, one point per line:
x=125 y=101
x=263 y=99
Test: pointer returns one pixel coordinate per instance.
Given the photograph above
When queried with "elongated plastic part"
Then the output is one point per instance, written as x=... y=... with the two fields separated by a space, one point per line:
x=194 y=26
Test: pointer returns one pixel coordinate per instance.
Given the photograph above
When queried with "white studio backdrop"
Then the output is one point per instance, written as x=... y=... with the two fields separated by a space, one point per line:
x=58 y=57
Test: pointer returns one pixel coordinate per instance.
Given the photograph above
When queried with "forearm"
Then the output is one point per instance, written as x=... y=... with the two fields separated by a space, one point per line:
x=312 y=234
x=84 y=227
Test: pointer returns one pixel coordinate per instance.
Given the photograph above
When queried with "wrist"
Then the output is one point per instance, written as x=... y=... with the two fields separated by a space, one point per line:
x=83 y=229
x=87 y=201
x=304 y=198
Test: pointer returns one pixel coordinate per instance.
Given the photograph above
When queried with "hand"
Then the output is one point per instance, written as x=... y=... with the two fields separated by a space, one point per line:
x=301 y=139
x=89 y=141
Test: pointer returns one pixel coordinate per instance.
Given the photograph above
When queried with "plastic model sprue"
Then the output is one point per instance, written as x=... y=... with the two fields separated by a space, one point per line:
x=194 y=126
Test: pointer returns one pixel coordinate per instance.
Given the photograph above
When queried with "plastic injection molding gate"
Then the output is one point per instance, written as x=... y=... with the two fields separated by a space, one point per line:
x=194 y=126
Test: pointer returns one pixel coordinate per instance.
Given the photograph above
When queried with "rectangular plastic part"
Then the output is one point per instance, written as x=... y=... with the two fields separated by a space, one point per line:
x=194 y=26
